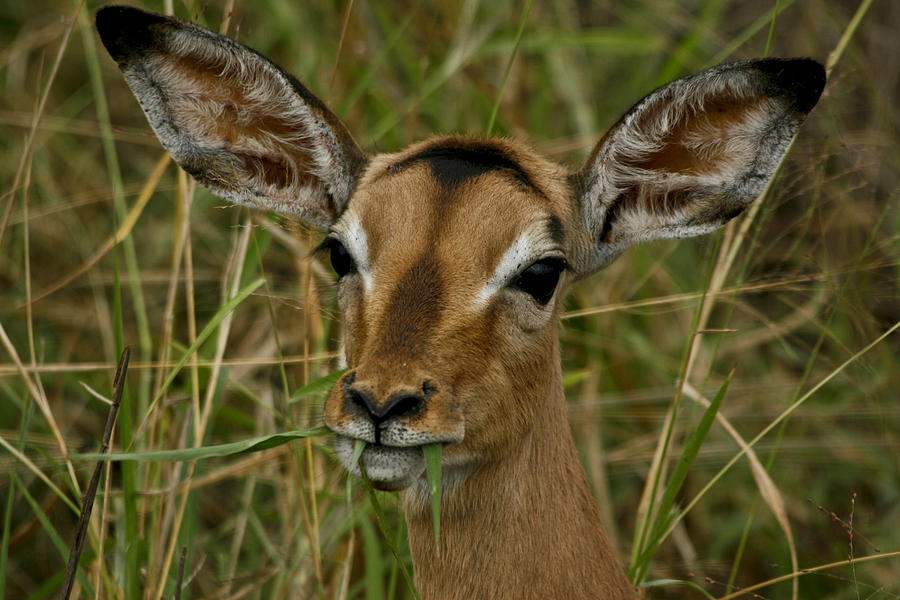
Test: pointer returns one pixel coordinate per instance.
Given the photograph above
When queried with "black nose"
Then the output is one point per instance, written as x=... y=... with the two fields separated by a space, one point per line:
x=359 y=399
x=401 y=404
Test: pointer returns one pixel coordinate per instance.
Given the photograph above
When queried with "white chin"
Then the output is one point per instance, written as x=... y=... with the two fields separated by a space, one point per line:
x=388 y=467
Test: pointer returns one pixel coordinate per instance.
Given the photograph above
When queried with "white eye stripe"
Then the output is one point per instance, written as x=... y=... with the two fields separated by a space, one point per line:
x=353 y=236
x=512 y=261
x=531 y=245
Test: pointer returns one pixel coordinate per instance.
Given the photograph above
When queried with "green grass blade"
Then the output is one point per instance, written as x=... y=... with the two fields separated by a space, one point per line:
x=376 y=562
x=53 y=534
x=572 y=379
x=604 y=40
x=201 y=338
x=371 y=548
x=781 y=417
x=772 y=28
x=4 y=537
x=512 y=57
x=365 y=81
x=125 y=432
x=676 y=481
x=319 y=386
x=249 y=446
x=382 y=522
x=24 y=428
x=692 y=448
x=358 y=447
x=114 y=172
x=676 y=582
x=740 y=39
x=433 y=470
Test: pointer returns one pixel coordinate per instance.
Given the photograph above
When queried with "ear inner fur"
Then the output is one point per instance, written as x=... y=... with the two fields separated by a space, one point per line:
x=693 y=154
x=233 y=119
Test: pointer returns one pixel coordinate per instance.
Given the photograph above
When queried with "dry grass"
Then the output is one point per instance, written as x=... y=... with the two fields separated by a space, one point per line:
x=103 y=243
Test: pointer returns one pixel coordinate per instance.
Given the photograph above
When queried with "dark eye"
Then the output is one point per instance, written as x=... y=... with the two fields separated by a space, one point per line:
x=540 y=279
x=341 y=260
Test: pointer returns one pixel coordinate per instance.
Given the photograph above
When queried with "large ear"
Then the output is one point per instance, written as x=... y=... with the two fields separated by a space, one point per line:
x=231 y=118
x=692 y=155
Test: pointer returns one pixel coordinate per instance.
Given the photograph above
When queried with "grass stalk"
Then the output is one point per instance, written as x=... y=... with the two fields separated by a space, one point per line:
x=52 y=533
x=432 y=454
x=657 y=474
x=24 y=427
x=664 y=512
x=783 y=415
x=211 y=326
x=509 y=63
x=119 y=212
x=847 y=35
x=41 y=400
x=751 y=589
x=775 y=12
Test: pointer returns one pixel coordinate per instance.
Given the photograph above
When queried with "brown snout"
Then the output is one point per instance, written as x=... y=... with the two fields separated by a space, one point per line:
x=408 y=410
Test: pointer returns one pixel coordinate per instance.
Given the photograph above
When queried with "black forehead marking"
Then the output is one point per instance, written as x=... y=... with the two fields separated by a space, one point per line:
x=452 y=165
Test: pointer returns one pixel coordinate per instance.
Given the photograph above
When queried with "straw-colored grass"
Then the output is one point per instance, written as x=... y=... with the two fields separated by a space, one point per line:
x=105 y=243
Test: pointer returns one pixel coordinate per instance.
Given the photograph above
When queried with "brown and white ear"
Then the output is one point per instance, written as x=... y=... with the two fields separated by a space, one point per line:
x=692 y=155
x=233 y=119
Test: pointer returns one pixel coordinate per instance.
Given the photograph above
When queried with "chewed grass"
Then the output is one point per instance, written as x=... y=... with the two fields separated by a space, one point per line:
x=432 y=454
x=433 y=472
x=358 y=447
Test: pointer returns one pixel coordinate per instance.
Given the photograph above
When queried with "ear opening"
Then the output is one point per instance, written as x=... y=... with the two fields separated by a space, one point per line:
x=693 y=154
x=233 y=119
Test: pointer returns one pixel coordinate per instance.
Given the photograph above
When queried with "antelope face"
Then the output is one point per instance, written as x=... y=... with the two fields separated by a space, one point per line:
x=444 y=250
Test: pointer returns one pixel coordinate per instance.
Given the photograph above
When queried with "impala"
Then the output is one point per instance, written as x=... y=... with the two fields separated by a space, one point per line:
x=452 y=258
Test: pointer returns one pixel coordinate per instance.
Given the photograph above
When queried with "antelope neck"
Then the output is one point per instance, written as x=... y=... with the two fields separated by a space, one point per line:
x=524 y=522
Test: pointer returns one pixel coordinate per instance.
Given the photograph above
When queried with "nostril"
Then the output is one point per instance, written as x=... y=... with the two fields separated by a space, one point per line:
x=403 y=405
x=362 y=402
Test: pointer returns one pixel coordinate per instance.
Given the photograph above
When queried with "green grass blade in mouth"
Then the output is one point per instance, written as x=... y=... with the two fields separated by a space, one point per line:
x=358 y=446
x=432 y=454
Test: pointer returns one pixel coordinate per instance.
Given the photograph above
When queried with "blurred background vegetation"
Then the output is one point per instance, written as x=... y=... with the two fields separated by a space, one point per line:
x=796 y=291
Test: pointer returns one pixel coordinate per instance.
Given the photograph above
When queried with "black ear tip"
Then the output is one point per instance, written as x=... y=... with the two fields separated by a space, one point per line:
x=801 y=79
x=126 y=31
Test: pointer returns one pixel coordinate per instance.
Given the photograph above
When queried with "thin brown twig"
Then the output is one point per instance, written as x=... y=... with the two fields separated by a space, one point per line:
x=87 y=503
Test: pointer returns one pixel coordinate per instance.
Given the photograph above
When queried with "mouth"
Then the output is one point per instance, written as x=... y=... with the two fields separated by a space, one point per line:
x=390 y=468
